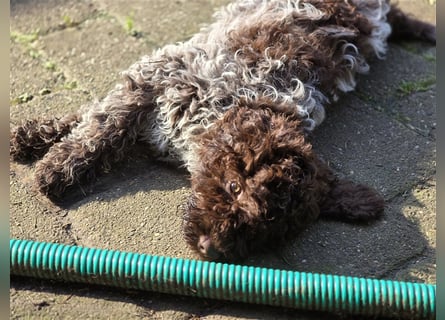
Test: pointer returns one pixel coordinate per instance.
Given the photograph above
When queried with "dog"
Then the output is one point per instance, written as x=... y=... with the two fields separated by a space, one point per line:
x=236 y=104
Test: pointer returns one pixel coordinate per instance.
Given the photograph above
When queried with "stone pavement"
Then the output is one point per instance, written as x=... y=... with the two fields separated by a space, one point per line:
x=66 y=53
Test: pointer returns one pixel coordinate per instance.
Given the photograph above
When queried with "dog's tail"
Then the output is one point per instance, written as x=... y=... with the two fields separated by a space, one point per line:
x=406 y=27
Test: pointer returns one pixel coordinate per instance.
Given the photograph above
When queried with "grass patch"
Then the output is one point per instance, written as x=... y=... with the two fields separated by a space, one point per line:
x=44 y=91
x=129 y=27
x=364 y=96
x=23 y=37
x=409 y=46
x=49 y=65
x=409 y=87
x=70 y=85
x=129 y=24
x=25 y=97
x=68 y=22
x=35 y=54
x=429 y=57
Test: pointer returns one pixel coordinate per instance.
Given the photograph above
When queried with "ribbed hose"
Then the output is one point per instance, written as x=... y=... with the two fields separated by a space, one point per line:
x=305 y=291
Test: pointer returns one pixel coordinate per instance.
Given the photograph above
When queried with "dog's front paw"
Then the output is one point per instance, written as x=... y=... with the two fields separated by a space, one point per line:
x=353 y=202
x=26 y=143
x=51 y=180
x=32 y=140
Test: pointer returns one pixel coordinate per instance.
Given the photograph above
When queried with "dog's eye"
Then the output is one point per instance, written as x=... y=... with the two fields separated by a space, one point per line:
x=235 y=188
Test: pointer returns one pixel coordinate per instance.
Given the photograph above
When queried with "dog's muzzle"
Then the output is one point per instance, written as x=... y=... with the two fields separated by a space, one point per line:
x=206 y=248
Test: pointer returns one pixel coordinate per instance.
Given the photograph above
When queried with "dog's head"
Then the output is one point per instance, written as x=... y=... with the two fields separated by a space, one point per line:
x=256 y=183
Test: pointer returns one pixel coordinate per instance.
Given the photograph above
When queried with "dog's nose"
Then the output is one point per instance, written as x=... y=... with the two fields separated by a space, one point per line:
x=207 y=249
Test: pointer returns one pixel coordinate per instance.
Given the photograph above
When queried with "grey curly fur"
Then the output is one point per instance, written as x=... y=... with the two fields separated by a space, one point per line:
x=295 y=55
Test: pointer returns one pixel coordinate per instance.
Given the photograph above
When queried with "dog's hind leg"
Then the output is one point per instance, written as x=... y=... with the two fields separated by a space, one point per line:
x=407 y=27
x=32 y=139
x=104 y=134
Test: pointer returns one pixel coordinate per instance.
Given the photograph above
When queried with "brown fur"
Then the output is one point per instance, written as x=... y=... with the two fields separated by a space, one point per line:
x=33 y=138
x=317 y=50
x=408 y=28
x=283 y=186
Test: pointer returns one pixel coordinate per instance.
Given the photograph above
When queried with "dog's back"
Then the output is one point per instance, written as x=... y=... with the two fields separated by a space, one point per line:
x=298 y=54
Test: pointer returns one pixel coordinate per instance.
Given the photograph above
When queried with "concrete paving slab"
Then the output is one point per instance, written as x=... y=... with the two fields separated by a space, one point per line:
x=410 y=95
x=420 y=8
x=406 y=64
x=178 y=22
x=49 y=105
x=371 y=147
x=417 y=207
x=380 y=135
x=25 y=85
x=137 y=212
x=94 y=73
x=35 y=218
x=28 y=17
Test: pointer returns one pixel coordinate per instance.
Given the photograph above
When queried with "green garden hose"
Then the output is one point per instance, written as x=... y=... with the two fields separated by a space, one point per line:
x=305 y=291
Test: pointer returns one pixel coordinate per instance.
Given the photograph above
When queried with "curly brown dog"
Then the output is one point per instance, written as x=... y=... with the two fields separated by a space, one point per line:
x=235 y=104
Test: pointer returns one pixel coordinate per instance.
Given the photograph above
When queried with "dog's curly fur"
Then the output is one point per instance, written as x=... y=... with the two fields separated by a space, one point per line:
x=235 y=104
